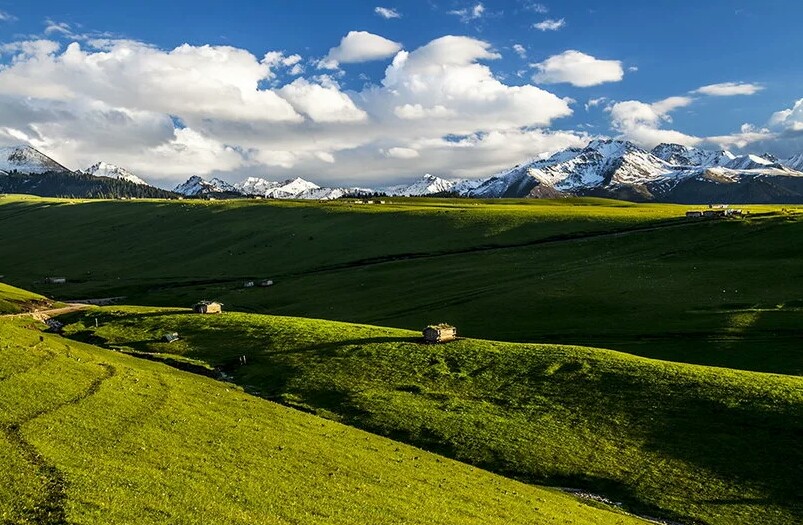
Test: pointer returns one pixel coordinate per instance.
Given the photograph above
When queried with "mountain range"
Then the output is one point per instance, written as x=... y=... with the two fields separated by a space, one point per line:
x=604 y=168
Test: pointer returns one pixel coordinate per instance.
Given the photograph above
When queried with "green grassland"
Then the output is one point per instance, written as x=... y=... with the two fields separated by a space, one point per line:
x=699 y=444
x=14 y=300
x=632 y=277
x=93 y=436
x=126 y=247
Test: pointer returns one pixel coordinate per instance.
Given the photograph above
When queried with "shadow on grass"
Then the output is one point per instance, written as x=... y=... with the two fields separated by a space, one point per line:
x=331 y=348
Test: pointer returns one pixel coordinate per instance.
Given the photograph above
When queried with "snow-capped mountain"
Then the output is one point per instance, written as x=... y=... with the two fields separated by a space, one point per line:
x=291 y=189
x=604 y=168
x=196 y=185
x=794 y=163
x=669 y=173
x=334 y=193
x=686 y=156
x=426 y=185
x=26 y=159
x=601 y=163
x=297 y=188
x=752 y=162
x=102 y=169
x=256 y=186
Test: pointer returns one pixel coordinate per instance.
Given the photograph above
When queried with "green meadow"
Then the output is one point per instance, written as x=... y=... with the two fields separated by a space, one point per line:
x=93 y=436
x=693 y=443
x=639 y=278
x=613 y=347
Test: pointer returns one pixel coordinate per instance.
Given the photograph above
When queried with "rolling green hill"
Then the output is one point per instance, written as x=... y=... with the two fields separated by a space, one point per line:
x=14 y=300
x=700 y=444
x=635 y=278
x=93 y=436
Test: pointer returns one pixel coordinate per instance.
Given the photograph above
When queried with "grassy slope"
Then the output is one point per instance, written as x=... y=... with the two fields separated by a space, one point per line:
x=722 y=293
x=111 y=247
x=718 y=446
x=14 y=300
x=92 y=436
x=725 y=293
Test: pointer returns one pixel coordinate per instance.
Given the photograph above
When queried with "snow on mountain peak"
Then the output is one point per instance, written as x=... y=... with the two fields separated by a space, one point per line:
x=751 y=162
x=255 y=186
x=426 y=185
x=102 y=169
x=26 y=159
x=795 y=162
x=196 y=185
x=685 y=156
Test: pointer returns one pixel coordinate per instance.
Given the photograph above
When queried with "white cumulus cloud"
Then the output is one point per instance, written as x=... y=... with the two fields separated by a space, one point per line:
x=222 y=111
x=789 y=119
x=641 y=122
x=321 y=103
x=360 y=46
x=577 y=69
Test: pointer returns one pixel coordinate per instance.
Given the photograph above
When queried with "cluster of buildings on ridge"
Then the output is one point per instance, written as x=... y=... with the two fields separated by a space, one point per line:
x=719 y=210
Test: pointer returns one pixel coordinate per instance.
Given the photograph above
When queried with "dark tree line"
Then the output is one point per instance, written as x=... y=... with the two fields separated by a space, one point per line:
x=77 y=185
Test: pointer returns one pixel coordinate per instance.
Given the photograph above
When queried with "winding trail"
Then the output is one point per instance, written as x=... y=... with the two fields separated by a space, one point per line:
x=44 y=315
x=51 y=510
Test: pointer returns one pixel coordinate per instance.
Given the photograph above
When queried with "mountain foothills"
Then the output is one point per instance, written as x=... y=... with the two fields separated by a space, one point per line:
x=604 y=168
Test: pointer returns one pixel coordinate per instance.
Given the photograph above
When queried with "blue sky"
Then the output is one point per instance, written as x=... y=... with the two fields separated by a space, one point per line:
x=551 y=74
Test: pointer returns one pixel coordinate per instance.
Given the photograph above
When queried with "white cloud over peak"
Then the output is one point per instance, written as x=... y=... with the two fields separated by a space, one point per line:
x=387 y=12
x=577 y=69
x=359 y=46
x=550 y=24
x=729 y=89
x=644 y=124
x=641 y=122
x=789 y=119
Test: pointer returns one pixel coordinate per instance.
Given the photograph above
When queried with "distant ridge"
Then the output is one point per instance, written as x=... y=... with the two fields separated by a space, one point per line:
x=616 y=169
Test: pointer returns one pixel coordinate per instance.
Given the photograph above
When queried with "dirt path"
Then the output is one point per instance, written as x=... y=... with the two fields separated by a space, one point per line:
x=44 y=315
